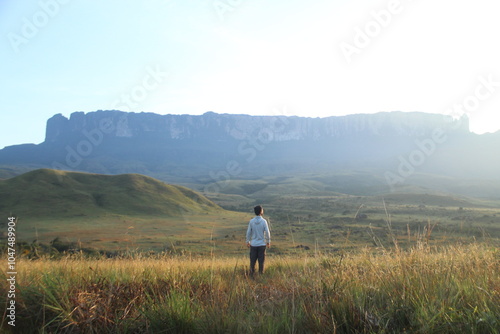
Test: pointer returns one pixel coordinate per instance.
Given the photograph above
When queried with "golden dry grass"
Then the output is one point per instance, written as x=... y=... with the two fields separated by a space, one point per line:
x=452 y=289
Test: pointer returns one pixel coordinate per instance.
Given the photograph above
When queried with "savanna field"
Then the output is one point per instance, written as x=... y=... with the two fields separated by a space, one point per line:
x=95 y=262
x=422 y=289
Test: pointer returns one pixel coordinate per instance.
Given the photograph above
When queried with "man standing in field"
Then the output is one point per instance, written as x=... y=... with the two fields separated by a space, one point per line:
x=258 y=238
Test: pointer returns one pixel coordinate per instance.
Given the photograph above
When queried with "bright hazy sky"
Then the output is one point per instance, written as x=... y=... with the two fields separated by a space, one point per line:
x=312 y=58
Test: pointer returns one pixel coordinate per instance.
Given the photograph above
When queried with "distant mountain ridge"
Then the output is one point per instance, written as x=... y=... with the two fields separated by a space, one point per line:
x=213 y=147
x=239 y=127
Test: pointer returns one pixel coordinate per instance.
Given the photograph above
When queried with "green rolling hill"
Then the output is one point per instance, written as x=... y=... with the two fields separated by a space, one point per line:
x=112 y=212
x=59 y=194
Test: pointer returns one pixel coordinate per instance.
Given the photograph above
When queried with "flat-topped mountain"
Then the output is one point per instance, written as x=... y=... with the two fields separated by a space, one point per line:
x=202 y=149
x=212 y=126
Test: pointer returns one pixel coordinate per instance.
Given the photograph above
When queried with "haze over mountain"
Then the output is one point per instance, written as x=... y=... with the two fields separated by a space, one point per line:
x=213 y=148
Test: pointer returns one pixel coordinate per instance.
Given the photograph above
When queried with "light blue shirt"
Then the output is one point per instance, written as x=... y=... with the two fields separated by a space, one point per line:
x=258 y=232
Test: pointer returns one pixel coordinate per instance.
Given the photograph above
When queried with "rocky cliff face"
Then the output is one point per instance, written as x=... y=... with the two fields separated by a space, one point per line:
x=214 y=146
x=240 y=127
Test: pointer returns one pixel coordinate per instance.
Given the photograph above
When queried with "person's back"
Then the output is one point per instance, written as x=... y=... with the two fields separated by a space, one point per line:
x=258 y=238
x=259 y=232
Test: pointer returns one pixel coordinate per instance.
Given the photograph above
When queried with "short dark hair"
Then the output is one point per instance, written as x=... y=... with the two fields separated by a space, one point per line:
x=258 y=210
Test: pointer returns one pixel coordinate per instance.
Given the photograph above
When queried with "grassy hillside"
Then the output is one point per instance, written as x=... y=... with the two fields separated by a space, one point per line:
x=305 y=214
x=55 y=194
x=7 y=172
x=113 y=212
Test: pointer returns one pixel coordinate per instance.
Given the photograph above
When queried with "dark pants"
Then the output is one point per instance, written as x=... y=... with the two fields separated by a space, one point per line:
x=257 y=253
